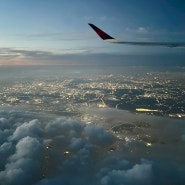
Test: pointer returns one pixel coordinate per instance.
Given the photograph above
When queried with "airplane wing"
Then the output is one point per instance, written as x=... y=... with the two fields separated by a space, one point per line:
x=111 y=39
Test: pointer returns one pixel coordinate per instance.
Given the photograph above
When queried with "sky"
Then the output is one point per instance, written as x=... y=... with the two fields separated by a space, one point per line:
x=57 y=32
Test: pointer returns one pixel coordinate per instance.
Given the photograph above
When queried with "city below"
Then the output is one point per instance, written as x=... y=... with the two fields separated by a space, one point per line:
x=155 y=93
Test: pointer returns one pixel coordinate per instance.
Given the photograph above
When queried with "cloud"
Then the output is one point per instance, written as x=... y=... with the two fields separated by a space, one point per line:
x=97 y=135
x=41 y=150
x=17 y=53
x=142 y=30
x=56 y=36
x=138 y=174
x=25 y=56
x=31 y=129
x=23 y=165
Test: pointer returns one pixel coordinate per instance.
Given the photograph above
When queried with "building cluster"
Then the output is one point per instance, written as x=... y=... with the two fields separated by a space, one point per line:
x=150 y=91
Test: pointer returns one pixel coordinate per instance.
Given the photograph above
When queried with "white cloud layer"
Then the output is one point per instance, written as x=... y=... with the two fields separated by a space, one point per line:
x=63 y=151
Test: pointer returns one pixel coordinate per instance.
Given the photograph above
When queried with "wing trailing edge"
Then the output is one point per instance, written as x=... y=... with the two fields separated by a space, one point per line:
x=103 y=35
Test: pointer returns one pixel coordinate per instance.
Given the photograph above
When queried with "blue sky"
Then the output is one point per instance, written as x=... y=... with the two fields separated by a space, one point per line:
x=55 y=30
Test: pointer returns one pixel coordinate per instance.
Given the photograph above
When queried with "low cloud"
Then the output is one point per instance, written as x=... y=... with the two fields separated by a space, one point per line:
x=138 y=174
x=35 y=150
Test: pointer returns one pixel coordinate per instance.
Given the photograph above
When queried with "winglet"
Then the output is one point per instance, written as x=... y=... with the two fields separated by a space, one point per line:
x=101 y=33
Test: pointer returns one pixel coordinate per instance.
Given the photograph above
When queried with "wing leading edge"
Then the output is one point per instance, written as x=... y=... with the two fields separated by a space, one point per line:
x=111 y=39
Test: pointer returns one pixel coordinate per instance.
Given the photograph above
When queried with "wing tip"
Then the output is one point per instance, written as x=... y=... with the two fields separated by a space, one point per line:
x=100 y=32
